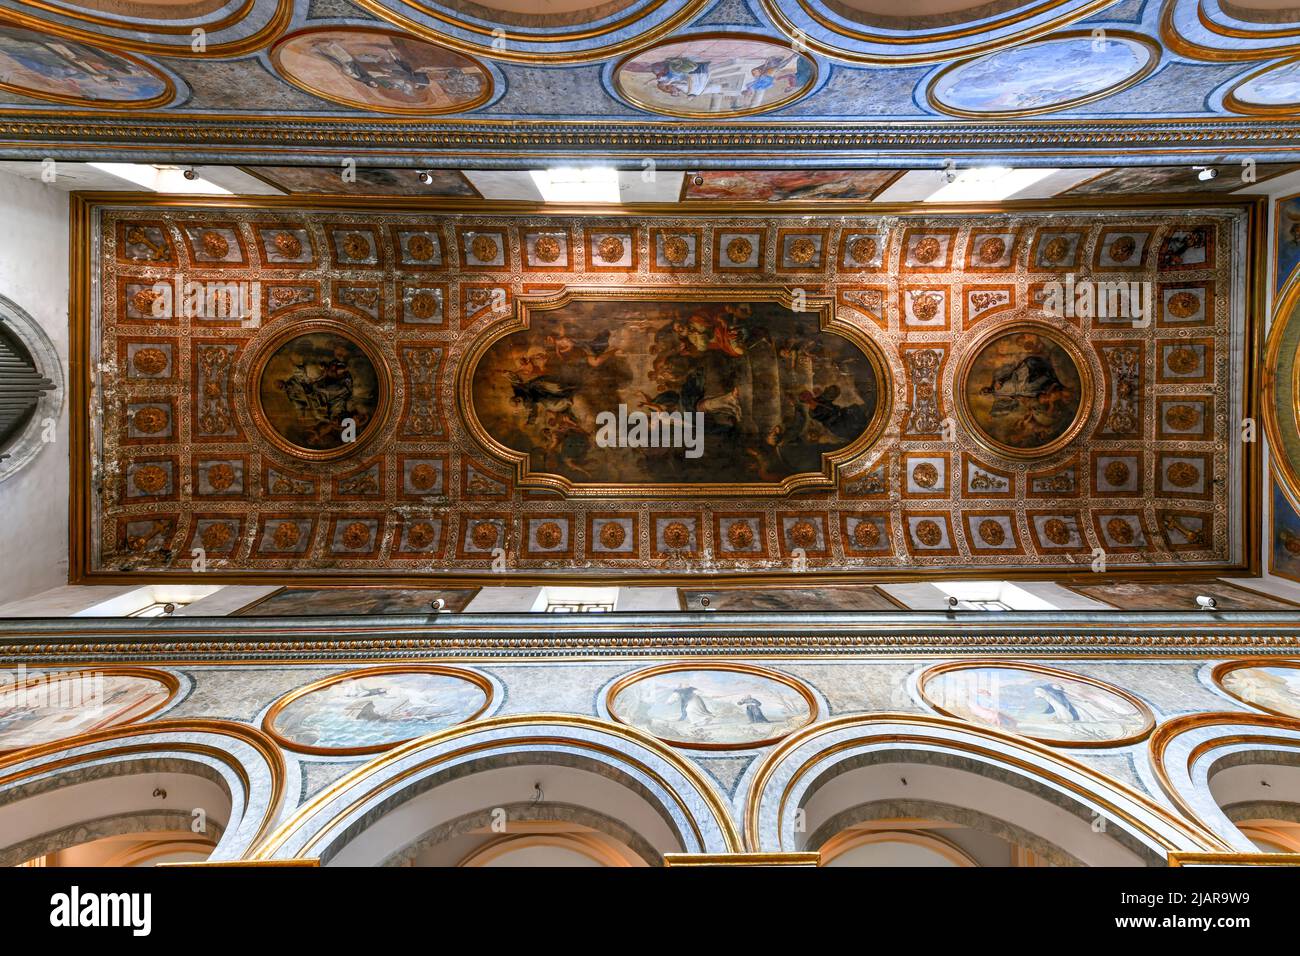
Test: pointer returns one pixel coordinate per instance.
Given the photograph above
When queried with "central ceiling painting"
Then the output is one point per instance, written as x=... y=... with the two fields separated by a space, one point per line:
x=347 y=391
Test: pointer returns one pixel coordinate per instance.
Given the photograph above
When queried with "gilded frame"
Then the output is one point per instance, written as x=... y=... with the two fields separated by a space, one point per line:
x=268 y=721
x=162 y=99
x=736 y=667
x=291 y=330
x=1221 y=670
x=1153 y=53
x=1149 y=719
x=273 y=56
x=1230 y=101
x=170 y=681
x=681 y=38
x=1086 y=381
x=519 y=462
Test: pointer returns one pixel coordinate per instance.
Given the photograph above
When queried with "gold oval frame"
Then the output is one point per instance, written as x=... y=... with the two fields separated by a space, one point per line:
x=170 y=681
x=162 y=99
x=1149 y=717
x=1230 y=101
x=1277 y=394
x=1153 y=61
x=1086 y=386
x=273 y=57
x=274 y=27
x=1012 y=17
x=685 y=38
x=1179 y=44
x=734 y=667
x=268 y=722
x=1227 y=667
x=520 y=461
x=292 y=328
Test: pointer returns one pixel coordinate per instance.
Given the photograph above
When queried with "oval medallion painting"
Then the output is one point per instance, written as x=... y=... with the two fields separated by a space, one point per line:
x=78 y=74
x=366 y=711
x=381 y=70
x=715 y=707
x=1273 y=687
x=1024 y=390
x=45 y=709
x=714 y=75
x=1047 y=705
x=1274 y=89
x=1067 y=70
x=313 y=384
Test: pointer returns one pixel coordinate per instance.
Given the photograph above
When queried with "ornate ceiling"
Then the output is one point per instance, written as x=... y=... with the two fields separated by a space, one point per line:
x=384 y=390
x=398 y=79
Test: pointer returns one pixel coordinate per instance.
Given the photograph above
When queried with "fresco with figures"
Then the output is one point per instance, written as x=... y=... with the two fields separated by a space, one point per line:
x=496 y=341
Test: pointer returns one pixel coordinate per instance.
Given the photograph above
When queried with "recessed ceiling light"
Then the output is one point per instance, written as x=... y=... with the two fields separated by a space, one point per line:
x=987 y=184
x=161 y=179
x=574 y=184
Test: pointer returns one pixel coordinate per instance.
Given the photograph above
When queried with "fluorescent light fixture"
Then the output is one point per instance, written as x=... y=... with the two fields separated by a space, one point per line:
x=987 y=184
x=160 y=179
x=573 y=184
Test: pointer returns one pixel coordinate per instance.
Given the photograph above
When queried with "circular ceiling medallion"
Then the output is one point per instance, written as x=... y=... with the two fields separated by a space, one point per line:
x=525 y=31
x=1266 y=91
x=1267 y=685
x=77 y=74
x=375 y=709
x=879 y=32
x=319 y=390
x=52 y=706
x=712 y=706
x=1041 y=703
x=381 y=70
x=1024 y=390
x=714 y=75
x=1059 y=73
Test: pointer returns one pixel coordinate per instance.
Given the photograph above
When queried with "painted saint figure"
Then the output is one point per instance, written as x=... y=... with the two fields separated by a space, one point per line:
x=690 y=700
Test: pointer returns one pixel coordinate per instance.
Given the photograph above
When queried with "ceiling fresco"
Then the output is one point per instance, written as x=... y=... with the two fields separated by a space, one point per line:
x=744 y=65
x=351 y=390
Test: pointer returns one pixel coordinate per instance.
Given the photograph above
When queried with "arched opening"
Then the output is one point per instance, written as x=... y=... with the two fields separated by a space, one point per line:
x=1237 y=773
x=515 y=791
x=175 y=791
x=889 y=789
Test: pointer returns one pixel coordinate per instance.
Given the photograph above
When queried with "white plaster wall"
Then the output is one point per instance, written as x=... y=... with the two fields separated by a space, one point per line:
x=34 y=274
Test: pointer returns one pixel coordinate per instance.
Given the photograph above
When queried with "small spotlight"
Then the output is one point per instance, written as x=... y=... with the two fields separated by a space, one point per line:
x=168 y=610
x=1206 y=603
x=697 y=180
x=1205 y=173
x=438 y=604
x=952 y=603
x=426 y=177
x=190 y=174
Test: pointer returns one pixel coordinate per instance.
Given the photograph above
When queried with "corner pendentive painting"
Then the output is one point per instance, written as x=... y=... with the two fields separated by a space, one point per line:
x=715 y=75
x=371 y=710
x=1284 y=555
x=762 y=391
x=33 y=64
x=320 y=391
x=718 y=707
x=1048 y=705
x=1273 y=687
x=51 y=707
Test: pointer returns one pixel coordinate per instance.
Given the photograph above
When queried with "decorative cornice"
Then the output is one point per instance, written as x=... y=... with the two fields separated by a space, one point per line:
x=241 y=138
x=486 y=637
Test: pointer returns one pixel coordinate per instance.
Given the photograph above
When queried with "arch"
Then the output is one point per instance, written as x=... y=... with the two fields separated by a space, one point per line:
x=818 y=770
x=849 y=841
x=1206 y=763
x=389 y=795
x=25 y=446
x=60 y=794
